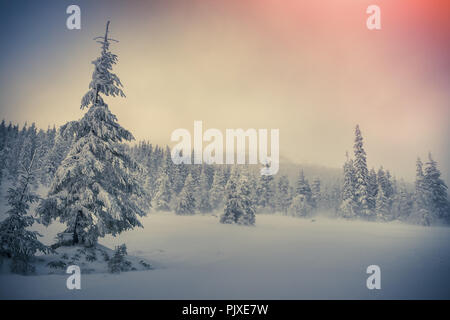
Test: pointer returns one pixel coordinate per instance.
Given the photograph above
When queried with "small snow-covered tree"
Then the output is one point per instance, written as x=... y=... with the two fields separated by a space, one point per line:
x=97 y=187
x=239 y=208
x=117 y=262
x=382 y=206
x=232 y=209
x=217 y=192
x=202 y=193
x=316 y=195
x=300 y=206
x=372 y=188
x=247 y=214
x=302 y=186
x=403 y=203
x=185 y=203
x=58 y=152
x=348 y=205
x=16 y=242
x=265 y=193
x=421 y=214
x=162 y=197
x=284 y=195
x=304 y=190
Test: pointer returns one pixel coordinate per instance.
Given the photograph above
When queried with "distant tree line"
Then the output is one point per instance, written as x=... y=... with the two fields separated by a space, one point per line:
x=189 y=189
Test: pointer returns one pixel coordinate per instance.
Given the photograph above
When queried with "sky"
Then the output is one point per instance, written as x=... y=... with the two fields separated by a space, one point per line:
x=311 y=69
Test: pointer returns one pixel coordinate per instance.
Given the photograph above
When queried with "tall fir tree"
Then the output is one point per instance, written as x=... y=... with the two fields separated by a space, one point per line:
x=97 y=187
x=361 y=176
x=422 y=213
x=436 y=191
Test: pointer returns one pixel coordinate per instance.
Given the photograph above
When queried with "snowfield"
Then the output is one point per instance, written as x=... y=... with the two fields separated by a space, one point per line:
x=196 y=257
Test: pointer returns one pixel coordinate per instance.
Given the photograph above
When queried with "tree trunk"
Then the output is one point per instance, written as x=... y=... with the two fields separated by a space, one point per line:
x=75 y=234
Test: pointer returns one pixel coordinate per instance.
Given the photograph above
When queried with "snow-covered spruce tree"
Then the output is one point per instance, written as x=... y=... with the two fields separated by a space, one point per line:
x=247 y=216
x=185 y=203
x=118 y=263
x=389 y=186
x=63 y=142
x=385 y=184
x=382 y=206
x=217 y=192
x=163 y=187
x=421 y=214
x=162 y=197
x=348 y=205
x=96 y=188
x=372 y=188
x=180 y=172
x=3 y=144
x=29 y=149
x=300 y=206
x=232 y=209
x=403 y=203
x=16 y=242
x=436 y=191
x=253 y=184
x=265 y=193
x=284 y=196
x=13 y=149
x=202 y=196
x=50 y=138
x=315 y=193
x=361 y=176
x=303 y=188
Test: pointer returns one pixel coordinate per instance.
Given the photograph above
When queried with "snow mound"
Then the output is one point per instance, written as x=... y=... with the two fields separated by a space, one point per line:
x=98 y=259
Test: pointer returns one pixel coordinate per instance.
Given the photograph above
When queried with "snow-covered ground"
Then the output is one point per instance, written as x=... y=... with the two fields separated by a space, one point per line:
x=196 y=257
